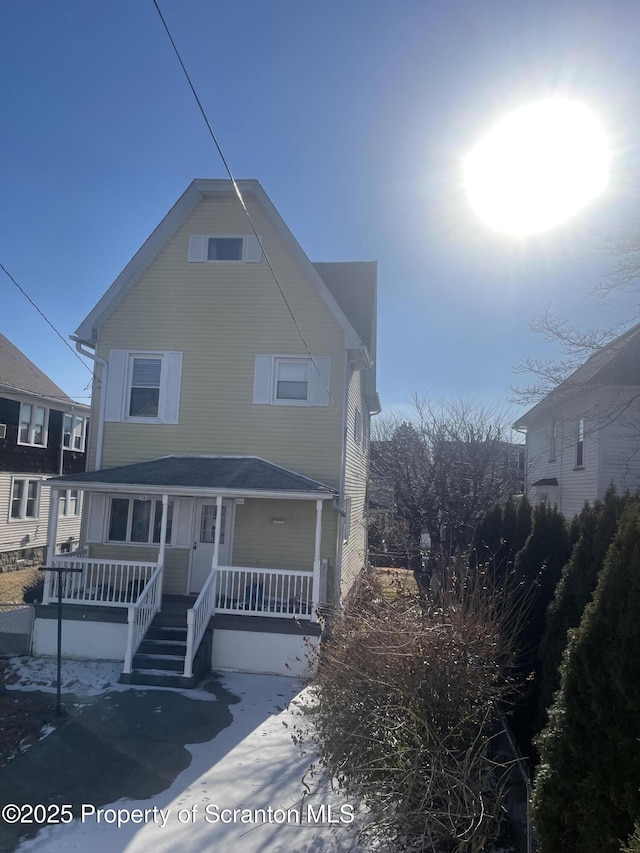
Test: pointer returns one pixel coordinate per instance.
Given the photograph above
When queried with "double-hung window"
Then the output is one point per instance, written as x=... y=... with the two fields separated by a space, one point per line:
x=553 y=440
x=290 y=380
x=138 y=520
x=73 y=433
x=143 y=387
x=33 y=425
x=69 y=502
x=25 y=499
x=143 y=398
x=580 y=444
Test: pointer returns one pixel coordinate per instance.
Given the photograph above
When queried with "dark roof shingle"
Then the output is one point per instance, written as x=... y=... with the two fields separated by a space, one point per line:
x=17 y=371
x=239 y=473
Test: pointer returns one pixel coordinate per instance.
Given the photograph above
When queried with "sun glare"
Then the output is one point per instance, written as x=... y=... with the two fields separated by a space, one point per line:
x=537 y=167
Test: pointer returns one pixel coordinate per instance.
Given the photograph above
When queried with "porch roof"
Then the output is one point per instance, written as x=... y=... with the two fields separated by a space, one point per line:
x=225 y=475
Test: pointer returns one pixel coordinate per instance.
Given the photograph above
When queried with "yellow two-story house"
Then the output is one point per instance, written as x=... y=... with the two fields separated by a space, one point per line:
x=225 y=495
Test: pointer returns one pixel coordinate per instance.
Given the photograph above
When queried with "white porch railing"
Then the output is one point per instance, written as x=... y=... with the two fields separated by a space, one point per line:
x=113 y=583
x=140 y=615
x=197 y=620
x=264 y=592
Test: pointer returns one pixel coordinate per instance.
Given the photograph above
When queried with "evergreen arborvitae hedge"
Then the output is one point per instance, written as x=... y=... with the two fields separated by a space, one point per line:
x=536 y=572
x=587 y=791
x=596 y=527
x=500 y=534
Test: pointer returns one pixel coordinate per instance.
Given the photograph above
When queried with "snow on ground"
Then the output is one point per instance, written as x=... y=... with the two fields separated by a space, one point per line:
x=247 y=790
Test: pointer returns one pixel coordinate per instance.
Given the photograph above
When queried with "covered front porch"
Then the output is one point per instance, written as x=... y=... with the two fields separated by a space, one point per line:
x=196 y=534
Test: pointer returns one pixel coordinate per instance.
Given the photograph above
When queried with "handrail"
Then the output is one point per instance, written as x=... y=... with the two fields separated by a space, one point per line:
x=197 y=620
x=140 y=615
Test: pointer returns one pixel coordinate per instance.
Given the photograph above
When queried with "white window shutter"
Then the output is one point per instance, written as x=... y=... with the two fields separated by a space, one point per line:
x=197 y=246
x=116 y=378
x=262 y=379
x=95 y=521
x=182 y=522
x=253 y=249
x=172 y=380
x=320 y=377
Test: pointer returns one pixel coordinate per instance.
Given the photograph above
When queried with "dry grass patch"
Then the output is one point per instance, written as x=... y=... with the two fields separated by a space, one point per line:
x=396 y=583
x=13 y=584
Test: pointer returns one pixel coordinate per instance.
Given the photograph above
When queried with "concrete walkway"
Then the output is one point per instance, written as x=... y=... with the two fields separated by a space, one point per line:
x=142 y=769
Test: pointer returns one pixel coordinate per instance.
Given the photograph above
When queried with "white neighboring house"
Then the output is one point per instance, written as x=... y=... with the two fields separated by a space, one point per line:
x=42 y=434
x=585 y=435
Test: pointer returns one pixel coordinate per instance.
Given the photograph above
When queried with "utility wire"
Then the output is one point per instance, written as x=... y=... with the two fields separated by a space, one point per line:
x=240 y=198
x=44 y=317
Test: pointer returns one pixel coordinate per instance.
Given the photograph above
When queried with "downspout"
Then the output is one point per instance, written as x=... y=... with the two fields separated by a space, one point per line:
x=103 y=392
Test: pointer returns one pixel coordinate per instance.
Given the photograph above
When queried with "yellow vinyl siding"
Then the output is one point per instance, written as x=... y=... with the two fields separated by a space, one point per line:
x=260 y=543
x=356 y=460
x=221 y=315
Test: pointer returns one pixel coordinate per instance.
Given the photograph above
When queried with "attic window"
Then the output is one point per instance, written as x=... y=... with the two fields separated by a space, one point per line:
x=225 y=248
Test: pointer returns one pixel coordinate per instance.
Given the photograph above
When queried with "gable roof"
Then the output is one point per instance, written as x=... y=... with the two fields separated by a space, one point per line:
x=196 y=192
x=232 y=474
x=617 y=363
x=20 y=374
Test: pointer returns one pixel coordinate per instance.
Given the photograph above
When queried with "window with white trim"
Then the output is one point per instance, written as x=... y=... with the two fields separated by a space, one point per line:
x=143 y=394
x=137 y=520
x=73 y=432
x=358 y=431
x=580 y=444
x=143 y=387
x=291 y=380
x=33 y=425
x=25 y=499
x=234 y=248
x=346 y=530
x=69 y=502
x=553 y=442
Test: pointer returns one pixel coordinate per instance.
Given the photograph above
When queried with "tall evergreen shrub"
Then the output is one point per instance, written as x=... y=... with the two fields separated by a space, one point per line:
x=587 y=791
x=596 y=527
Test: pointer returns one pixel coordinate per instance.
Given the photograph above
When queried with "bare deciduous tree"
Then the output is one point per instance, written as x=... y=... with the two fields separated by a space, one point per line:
x=577 y=344
x=443 y=467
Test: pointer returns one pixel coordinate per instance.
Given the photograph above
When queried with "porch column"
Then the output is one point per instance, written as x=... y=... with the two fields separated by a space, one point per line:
x=163 y=528
x=216 y=535
x=316 y=563
x=52 y=534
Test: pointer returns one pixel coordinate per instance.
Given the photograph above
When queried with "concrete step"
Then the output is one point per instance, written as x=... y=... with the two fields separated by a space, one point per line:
x=158 y=678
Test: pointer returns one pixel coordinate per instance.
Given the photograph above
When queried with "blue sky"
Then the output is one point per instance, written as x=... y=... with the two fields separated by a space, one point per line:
x=353 y=114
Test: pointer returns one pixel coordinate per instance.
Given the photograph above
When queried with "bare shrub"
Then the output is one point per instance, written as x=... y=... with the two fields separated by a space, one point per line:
x=408 y=708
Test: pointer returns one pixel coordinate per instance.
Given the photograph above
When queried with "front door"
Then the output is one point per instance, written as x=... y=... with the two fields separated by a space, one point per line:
x=202 y=554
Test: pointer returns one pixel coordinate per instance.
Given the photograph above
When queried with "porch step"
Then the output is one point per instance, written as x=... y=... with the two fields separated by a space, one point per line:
x=174 y=663
x=159 y=661
x=158 y=678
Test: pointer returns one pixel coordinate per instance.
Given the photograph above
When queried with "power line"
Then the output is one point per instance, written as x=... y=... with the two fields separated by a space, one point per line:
x=44 y=317
x=240 y=198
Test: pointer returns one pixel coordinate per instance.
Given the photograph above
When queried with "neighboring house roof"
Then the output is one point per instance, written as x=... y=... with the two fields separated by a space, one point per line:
x=617 y=363
x=236 y=474
x=546 y=481
x=197 y=191
x=18 y=373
